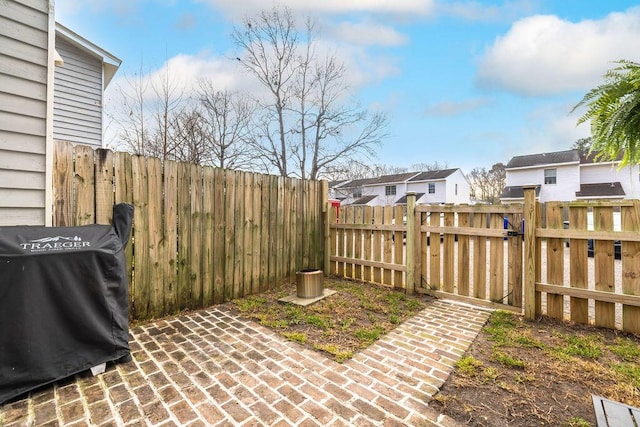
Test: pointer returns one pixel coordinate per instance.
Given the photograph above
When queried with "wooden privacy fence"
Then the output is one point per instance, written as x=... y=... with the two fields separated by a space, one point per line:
x=201 y=235
x=533 y=258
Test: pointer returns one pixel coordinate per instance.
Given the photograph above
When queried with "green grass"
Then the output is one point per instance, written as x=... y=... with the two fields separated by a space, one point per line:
x=576 y=422
x=588 y=347
x=629 y=372
x=318 y=321
x=250 y=303
x=626 y=349
x=507 y=360
x=339 y=354
x=295 y=336
x=468 y=366
x=368 y=335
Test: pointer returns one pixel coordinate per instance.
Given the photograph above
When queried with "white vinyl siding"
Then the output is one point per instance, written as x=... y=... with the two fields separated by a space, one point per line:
x=24 y=44
x=77 y=96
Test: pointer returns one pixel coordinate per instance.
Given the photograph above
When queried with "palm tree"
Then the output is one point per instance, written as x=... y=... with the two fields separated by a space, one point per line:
x=614 y=112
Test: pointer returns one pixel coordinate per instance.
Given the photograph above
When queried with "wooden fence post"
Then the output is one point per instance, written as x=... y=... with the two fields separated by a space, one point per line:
x=410 y=241
x=529 y=253
x=326 y=210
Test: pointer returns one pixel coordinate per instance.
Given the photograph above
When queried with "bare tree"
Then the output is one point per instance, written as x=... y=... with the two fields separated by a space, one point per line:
x=168 y=104
x=488 y=184
x=149 y=110
x=189 y=137
x=133 y=116
x=227 y=124
x=269 y=44
x=308 y=117
x=435 y=166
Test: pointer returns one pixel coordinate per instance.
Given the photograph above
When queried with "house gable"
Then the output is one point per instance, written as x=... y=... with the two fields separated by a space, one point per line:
x=79 y=86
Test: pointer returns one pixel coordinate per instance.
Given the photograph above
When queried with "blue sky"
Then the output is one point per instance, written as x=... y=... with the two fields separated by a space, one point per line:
x=464 y=83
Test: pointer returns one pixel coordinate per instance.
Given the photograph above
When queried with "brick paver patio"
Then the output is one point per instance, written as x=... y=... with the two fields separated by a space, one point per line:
x=210 y=368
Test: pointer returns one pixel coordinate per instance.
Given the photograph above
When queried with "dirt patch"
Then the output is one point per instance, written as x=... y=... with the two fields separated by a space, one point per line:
x=520 y=373
x=339 y=325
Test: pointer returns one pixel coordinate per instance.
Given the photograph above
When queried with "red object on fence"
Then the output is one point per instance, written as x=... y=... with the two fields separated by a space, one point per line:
x=335 y=204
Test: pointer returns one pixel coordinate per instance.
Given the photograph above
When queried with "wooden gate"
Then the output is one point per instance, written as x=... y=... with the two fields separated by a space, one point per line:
x=470 y=253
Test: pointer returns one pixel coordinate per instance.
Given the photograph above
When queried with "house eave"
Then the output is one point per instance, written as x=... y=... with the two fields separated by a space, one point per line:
x=110 y=62
x=542 y=165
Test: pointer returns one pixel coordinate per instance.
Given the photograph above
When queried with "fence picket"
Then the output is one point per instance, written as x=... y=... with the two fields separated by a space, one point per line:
x=184 y=236
x=63 y=197
x=377 y=244
x=464 y=266
x=154 y=237
x=123 y=180
x=239 y=224
x=368 y=218
x=387 y=213
x=104 y=186
x=480 y=258
x=141 y=280
x=630 y=251
x=256 y=204
x=604 y=270
x=84 y=179
x=434 y=253
x=170 y=238
x=448 y=254
x=230 y=233
x=398 y=247
x=578 y=268
x=555 y=260
x=208 y=263
x=359 y=218
x=515 y=275
x=219 y=242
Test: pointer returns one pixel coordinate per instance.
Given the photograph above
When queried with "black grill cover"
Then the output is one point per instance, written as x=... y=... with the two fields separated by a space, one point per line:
x=63 y=301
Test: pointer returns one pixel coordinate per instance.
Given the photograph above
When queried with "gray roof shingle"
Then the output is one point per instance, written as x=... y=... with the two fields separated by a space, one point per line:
x=604 y=189
x=516 y=192
x=569 y=156
x=433 y=175
x=363 y=200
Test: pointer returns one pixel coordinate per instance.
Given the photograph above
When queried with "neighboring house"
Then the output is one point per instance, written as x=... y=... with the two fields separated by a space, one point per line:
x=443 y=186
x=79 y=86
x=29 y=120
x=569 y=175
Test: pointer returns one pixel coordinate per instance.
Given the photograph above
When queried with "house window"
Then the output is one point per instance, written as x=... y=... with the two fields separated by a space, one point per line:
x=390 y=190
x=456 y=190
x=550 y=176
x=432 y=188
x=357 y=194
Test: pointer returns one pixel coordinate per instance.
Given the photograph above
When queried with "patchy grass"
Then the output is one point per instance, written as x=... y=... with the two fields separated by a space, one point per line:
x=521 y=373
x=340 y=325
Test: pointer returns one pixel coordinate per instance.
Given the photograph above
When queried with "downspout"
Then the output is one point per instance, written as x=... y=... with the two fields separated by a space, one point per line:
x=48 y=174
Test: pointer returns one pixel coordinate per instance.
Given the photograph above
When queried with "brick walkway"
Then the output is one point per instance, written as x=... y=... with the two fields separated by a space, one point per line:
x=209 y=368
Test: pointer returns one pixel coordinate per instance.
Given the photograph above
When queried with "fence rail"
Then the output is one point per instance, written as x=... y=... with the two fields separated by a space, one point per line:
x=201 y=235
x=564 y=260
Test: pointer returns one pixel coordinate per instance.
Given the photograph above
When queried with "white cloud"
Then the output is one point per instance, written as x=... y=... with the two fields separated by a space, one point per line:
x=453 y=108
x=368 y=33
x=544 y=54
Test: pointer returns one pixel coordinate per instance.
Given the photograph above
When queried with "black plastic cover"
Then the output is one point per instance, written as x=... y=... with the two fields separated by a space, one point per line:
x=63 y=301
